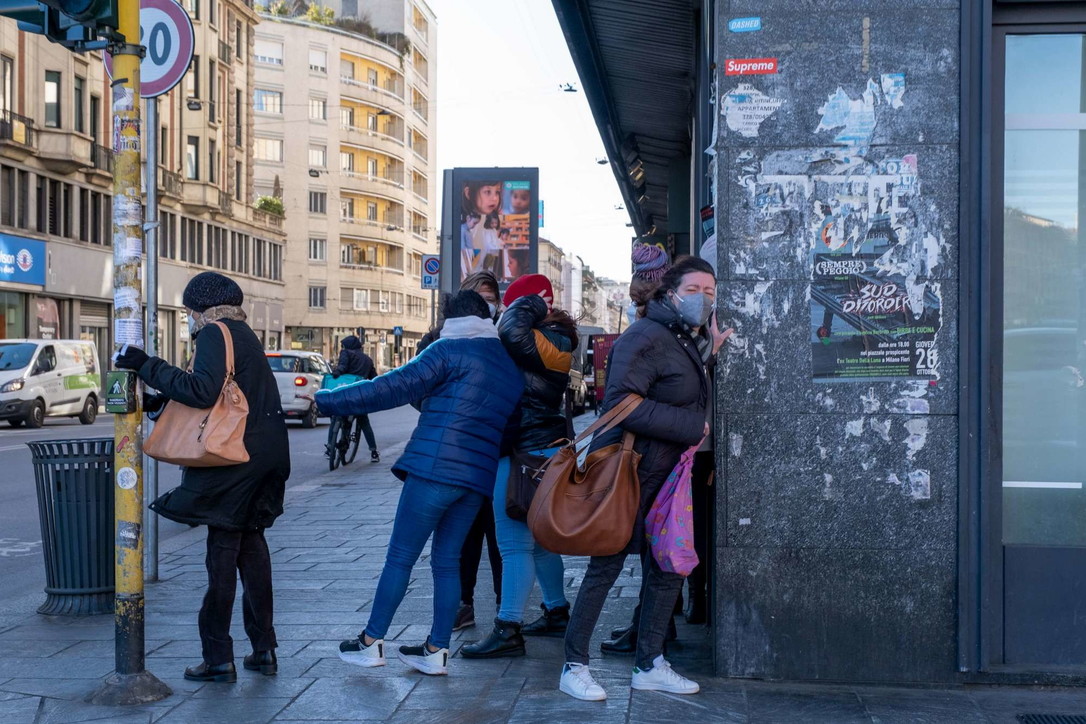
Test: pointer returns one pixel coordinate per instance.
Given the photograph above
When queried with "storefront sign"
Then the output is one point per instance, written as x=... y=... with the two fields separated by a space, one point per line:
x=22 y=260
x=750 y=66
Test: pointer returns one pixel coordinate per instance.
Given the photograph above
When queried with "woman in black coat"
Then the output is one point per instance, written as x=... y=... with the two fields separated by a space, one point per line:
x=662 y=358
x=235 y=502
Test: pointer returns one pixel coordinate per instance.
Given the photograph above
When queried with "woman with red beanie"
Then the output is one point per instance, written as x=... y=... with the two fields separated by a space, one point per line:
x=541 y=340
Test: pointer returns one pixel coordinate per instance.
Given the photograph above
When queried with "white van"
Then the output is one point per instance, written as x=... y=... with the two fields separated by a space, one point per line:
x=54 y=377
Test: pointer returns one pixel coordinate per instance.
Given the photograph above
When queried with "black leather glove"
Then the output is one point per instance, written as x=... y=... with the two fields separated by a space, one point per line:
x=153 y=403
x=131 y=358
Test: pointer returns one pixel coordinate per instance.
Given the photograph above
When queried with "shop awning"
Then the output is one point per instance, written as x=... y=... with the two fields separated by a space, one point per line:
x=636 y=61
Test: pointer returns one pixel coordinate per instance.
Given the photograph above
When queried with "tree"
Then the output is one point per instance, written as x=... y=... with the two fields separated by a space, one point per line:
x=270 y=204
x=319 y=15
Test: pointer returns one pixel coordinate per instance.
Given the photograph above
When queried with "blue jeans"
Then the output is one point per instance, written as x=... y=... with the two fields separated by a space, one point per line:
x=522 y=558
x=426 y=507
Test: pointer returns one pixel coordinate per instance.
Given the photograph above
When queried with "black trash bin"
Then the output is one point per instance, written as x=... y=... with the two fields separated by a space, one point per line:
x=75 y=505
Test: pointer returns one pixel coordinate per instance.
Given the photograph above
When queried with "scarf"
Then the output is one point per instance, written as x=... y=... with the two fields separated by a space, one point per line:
x=469 y=328
x=215 y=314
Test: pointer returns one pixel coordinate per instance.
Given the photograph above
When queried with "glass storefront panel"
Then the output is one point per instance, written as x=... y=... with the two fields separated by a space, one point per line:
x=12 y=315
x=1044 y=307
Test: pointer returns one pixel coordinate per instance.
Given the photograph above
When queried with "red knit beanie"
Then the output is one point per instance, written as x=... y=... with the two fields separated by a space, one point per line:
x=530 y=284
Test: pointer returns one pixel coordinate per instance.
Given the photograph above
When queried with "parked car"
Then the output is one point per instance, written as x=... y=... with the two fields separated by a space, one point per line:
x=299 y=375
x=42 y=378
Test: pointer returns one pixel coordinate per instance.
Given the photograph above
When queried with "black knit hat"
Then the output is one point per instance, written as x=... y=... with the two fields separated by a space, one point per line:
x=211 y=289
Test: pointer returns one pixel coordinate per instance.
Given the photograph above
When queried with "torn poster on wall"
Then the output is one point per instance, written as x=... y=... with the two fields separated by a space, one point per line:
x=745 y=108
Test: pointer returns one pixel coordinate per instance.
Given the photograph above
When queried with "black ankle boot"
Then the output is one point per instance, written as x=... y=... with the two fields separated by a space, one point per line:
x=223 y=673
x=553 y=622
x=262 y=661
x=696 y=613
x=504 y=640
x=623 y=645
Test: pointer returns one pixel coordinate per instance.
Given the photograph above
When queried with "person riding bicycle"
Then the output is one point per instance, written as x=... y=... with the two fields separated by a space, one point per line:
x=353 y=361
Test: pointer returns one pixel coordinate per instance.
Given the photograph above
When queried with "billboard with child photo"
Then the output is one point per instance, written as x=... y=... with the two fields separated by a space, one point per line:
x=496 y=227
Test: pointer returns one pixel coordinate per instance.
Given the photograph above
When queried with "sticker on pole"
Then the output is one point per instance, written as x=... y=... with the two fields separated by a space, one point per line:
x=431 y=271
x=166 y=33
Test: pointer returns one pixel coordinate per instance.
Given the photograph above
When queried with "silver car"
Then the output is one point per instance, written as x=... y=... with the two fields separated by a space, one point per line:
x=299 y=375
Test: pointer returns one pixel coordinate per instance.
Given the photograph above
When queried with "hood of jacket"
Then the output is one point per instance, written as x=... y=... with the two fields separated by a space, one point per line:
x=351 y=342
x=469 y=328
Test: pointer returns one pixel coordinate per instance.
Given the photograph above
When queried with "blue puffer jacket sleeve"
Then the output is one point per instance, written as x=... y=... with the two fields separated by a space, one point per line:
x=403 y=385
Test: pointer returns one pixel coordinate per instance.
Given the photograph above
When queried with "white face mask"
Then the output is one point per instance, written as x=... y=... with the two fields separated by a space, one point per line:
x=493 y=310
x=631 y=312
x=192 y=325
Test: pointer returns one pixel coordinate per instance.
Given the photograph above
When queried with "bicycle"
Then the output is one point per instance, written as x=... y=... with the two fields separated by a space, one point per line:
x=342 y=442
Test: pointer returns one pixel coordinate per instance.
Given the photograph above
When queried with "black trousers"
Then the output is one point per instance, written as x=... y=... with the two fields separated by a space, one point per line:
x=471 y=554
x=230 y=553
x=703 y=491
x=659 y=592
x=363 y=424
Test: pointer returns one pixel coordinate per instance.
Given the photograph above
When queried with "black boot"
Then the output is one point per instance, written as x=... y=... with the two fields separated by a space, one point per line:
x=504 y=640
x=696 y=613
x=262 y=661
x=622 y=645
x=223 y=673
x=553 y=622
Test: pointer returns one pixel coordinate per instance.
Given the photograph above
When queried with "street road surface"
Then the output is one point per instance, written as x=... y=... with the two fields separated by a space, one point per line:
x=22 y=568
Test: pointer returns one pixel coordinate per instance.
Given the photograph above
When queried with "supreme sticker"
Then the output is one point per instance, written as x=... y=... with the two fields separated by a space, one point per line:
x=750 y=66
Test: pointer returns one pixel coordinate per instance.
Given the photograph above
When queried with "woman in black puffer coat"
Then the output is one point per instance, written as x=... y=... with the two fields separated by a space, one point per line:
x=662 y=358
x=235 y=502
x=541 y=340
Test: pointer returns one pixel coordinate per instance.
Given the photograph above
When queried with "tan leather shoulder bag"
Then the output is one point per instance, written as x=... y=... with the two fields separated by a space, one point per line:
x=208 y=438
x=586 y=503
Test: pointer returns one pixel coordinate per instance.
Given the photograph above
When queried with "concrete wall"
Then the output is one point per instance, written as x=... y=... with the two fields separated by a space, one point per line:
x=837 y=505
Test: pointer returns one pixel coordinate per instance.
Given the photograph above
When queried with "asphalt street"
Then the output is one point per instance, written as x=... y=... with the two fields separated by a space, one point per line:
x=21 y=565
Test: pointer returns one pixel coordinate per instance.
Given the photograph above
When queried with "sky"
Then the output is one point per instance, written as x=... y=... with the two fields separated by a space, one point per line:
x=500 y=68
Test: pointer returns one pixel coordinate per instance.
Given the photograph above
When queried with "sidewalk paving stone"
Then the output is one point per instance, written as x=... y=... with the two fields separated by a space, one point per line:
x=327 y=556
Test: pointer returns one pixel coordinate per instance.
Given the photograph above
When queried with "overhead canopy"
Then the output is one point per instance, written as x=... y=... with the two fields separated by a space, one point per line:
x=636 y=61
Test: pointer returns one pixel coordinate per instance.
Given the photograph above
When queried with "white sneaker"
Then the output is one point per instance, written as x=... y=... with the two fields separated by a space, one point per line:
x=354 y=651
x=577 y=681
x=661 y=677
x=421 y=658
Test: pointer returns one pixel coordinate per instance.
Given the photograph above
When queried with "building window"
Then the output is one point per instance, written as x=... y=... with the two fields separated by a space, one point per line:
x=346 y=209
x=268 y=101
x=346 y=161
x=346 y=69
x=371 y=210
x=192 y=158
x=268 y=149
x=317 y=297
x=318 y=202
x=7 y=83
x=212 y=162
x=318 y=60
x=192 y=78
x=268 y=52
x=371 y=121
x=239 y=42
x=52 y=99
x=193 y=6
x=346 y=117
x=371 y=75
x=318 y=156
x=371 y=166
x=361 y=300
x=239 y=180
x=318 y=109
x=238 y=115
x=318 y=249
x=79 y=111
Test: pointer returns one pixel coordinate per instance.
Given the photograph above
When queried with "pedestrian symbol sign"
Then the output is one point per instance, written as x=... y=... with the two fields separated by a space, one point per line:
x=120 y=392
x=431 y=271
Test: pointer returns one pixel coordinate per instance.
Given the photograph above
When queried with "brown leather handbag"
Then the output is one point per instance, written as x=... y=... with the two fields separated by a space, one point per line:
x=587 y=503
x=207 y=438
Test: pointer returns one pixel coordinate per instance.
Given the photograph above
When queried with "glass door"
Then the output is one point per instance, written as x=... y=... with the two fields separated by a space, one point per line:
x=1044 y=349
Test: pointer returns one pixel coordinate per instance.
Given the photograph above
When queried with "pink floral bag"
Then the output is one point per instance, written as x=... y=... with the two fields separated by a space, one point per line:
x=670 y=522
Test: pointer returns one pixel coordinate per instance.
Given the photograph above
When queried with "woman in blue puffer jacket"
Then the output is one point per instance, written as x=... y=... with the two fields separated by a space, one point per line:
x=469 y=387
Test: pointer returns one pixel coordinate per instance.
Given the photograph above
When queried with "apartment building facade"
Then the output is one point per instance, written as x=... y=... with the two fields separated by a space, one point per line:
x=344 y=135
x=56 y=186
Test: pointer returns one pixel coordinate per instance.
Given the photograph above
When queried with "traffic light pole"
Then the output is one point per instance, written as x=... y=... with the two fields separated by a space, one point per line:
x=131 y=683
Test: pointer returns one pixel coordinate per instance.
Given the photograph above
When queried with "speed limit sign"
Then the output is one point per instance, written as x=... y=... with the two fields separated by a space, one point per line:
x=166 y=33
